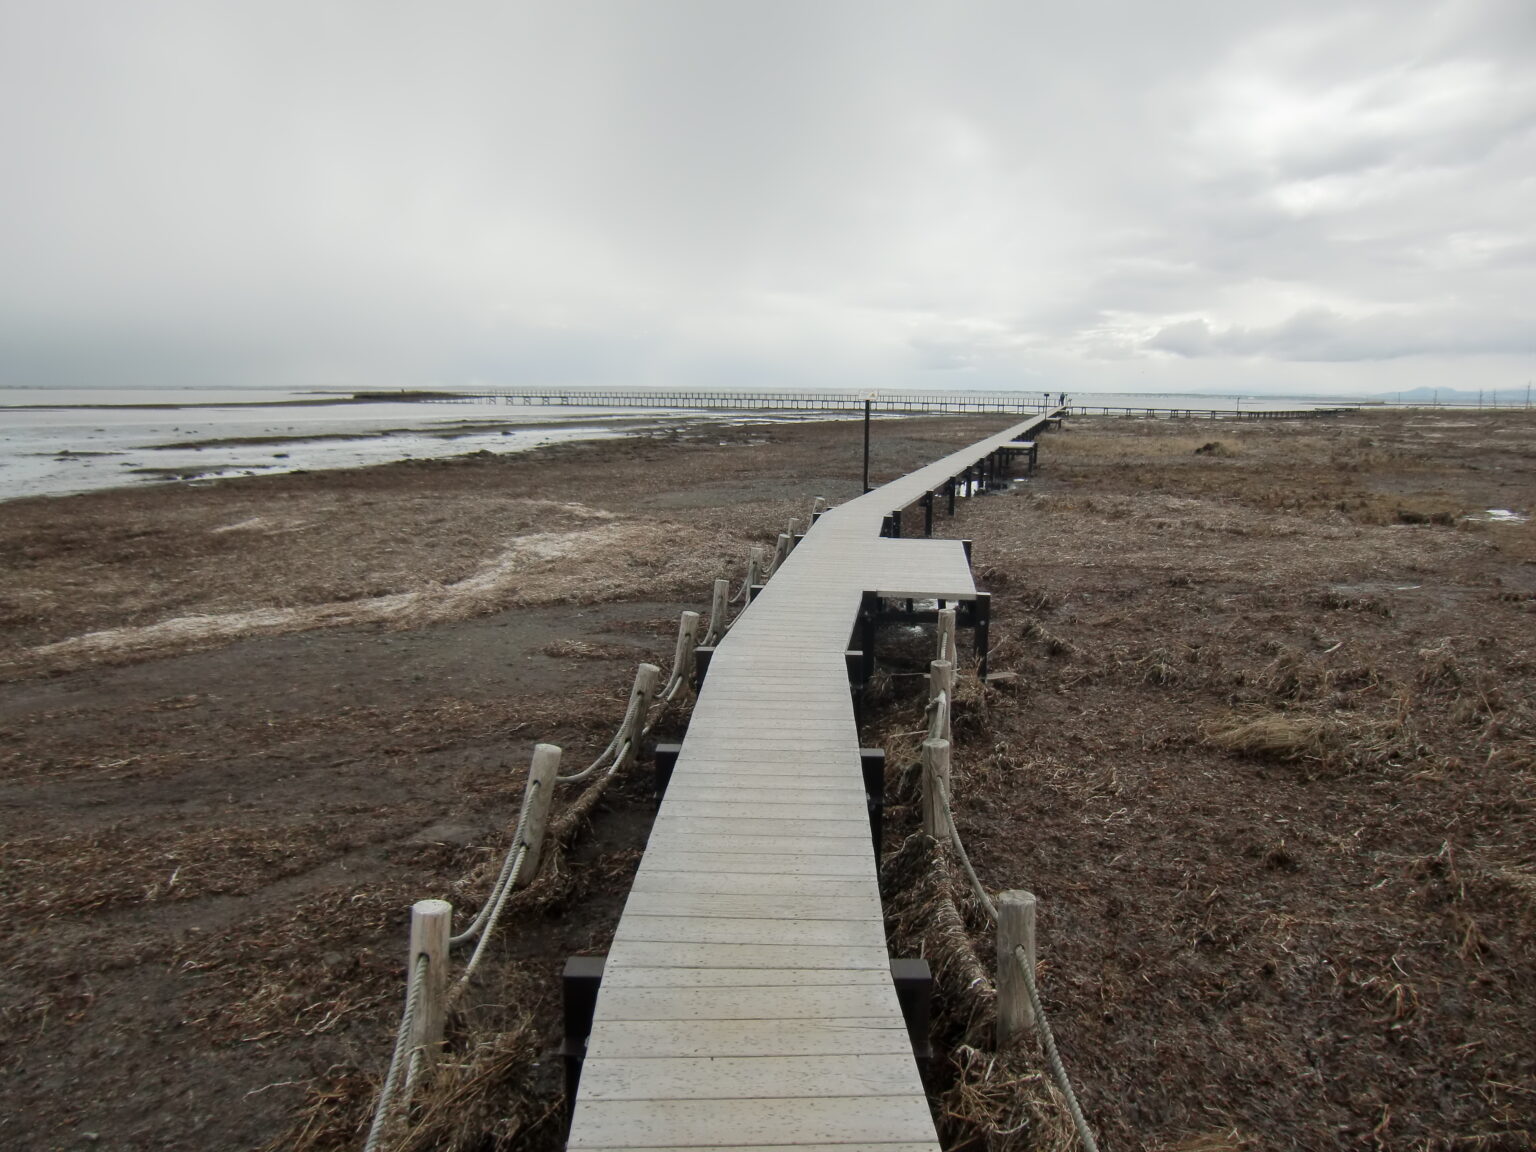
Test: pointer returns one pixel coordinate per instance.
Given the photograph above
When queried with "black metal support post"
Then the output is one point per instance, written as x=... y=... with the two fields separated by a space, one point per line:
x=701 y=658
x=914 y=992
x=666 y=760
x=896 y=524
x=869 y=621
x=866 y=446
x=928 y=514
x=982 y=631
x=854 y=658
x=873 y=762
x=578 y=994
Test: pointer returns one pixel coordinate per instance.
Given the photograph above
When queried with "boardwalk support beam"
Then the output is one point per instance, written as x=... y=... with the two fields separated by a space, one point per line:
x=579 y=982
x=872 y=760
x=666 y=761
x=914 y=992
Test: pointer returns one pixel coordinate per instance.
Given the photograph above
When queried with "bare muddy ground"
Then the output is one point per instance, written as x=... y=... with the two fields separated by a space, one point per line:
x=1268 y=764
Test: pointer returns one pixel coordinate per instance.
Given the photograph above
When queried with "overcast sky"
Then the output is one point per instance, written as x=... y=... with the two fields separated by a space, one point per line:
x=1308 y=196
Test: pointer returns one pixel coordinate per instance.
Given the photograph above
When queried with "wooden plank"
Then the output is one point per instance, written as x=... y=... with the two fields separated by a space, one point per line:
x=657 y=879
x=819 y=807
x=770 y=906
x=790 y=832
x=746 y=1078
x=746 y=930
x=819 y=1002
x=813 y=761
x=656 y=1039
x=686 y=858
x=671 y=954
x=724 y=1123
x=633 y=976
x=700 y=790
x=763 y=846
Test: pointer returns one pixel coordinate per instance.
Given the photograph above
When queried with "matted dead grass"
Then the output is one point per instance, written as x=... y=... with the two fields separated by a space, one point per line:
x=1267 y=761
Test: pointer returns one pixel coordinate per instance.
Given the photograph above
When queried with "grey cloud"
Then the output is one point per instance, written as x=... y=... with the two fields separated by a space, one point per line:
x=1318 y=334
x=861 y=193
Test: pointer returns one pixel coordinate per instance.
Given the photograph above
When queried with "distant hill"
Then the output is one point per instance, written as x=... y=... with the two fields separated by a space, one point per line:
x=1505 y=397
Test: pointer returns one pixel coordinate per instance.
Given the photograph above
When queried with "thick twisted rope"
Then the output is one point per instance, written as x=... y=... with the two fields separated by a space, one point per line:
x=964 y=857
x=613 y=746
x=576 y=777
x=1052 y=1056
x=1042 y=1025
x=490 y=929
x=385 y=1110
x=509 y=869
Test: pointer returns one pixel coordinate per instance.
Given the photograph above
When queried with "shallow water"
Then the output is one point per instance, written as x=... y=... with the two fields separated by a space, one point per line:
x=100 y=444
x=58 y=441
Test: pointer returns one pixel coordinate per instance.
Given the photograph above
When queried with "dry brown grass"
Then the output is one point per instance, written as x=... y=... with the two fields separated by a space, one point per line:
x=1279 y=736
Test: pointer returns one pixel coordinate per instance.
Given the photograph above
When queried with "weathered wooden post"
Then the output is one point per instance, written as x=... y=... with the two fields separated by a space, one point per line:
x=941 y=682
x=537 y=796
x=794 y=531
x=818 y=506
x=1015 y=930
x=682 y=653
x=936 y=814
x=431 y=925
x=947 y=649
x=781 y=552
x=640 y=697
x=719 y=609
x=754 y=571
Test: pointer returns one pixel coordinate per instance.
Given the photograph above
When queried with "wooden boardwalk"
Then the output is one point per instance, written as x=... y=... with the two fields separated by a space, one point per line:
x=747 y=1001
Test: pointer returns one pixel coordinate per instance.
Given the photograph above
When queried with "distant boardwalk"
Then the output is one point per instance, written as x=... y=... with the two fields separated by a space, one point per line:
x=884 y=402
x=729 y=400
x=747 y=1001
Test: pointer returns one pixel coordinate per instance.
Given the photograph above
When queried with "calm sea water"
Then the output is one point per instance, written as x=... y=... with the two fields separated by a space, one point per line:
x=57 y=441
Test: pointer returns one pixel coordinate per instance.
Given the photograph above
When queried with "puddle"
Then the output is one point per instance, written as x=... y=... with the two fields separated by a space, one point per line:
x=1500 y=516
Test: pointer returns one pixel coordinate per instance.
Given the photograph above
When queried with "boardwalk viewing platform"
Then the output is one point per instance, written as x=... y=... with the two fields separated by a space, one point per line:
x=747 y=1000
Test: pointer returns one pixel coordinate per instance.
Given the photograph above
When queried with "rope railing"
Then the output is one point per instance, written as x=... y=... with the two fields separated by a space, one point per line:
x=1052 y=1055
x=1015 y=919
x=428 y=996
x=387 y=1110
x=495 y=905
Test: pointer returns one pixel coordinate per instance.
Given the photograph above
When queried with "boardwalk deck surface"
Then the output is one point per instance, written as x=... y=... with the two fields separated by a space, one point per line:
x=747 y=1001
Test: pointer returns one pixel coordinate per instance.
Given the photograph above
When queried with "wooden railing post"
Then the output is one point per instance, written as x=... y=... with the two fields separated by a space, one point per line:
x=936 y=814
x=754 y=572
x=537 y=795
x=946 y=647
x=431 y=925
x=719 y=608
x=640 y=696
x=941 y=682
x=682 y=653
x=1015 y=929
